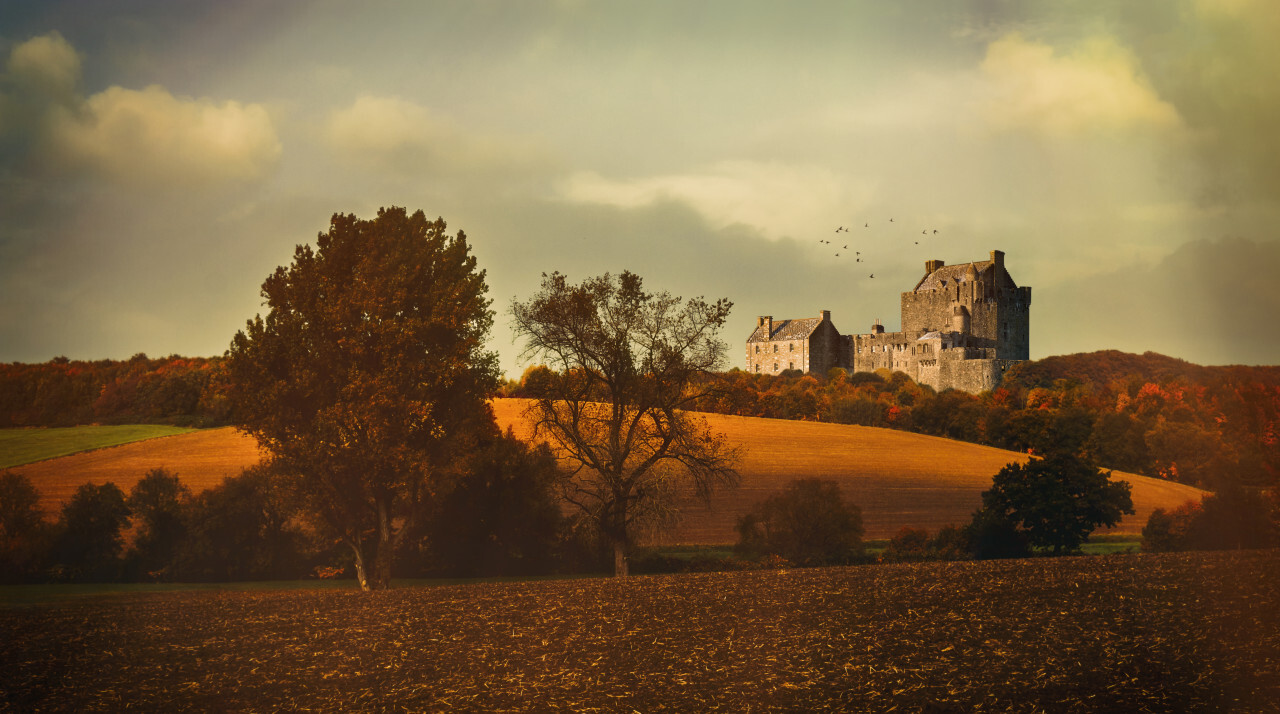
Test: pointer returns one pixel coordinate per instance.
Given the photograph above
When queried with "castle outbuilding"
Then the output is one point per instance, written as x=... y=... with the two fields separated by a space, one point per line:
x=963 y=326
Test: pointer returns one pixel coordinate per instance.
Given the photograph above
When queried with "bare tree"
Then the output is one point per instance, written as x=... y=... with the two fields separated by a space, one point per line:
x=626 y=366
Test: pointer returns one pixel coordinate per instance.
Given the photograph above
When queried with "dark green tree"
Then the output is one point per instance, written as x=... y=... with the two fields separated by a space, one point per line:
x=502 y=516
x=809 y=523
x=1056 y=501
x=626 y=366
x=89 y=535
x=368 y=376
x=23 y=533
x=156 y=502
x=239 y=530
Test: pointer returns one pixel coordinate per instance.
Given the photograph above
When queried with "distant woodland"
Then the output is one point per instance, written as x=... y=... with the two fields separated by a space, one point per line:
x=1146 y=414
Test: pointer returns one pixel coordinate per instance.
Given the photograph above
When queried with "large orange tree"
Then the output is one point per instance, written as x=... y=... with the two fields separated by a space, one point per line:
x=367 y=378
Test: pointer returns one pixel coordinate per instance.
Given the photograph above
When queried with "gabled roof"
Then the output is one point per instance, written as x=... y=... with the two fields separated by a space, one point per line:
x=787 y=330
x=949 y=275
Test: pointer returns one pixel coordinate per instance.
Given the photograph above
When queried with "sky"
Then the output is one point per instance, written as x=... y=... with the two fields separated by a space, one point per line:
x=159 y=159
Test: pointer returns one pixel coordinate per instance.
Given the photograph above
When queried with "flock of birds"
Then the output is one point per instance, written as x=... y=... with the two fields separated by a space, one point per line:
x=858 y=254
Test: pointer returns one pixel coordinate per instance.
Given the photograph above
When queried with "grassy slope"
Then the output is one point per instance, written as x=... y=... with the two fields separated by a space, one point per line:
x=202 y=459
x=24 y=446
x=897 y=478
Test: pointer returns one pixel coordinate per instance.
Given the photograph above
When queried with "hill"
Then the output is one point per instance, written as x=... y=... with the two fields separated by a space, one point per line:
x=25 y=446
x=897 y=478
x=1101 y=368
x=202 y=459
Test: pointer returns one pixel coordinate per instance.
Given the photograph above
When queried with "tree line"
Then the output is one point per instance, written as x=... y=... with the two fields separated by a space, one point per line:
x=187 y=391
x=1210 y=427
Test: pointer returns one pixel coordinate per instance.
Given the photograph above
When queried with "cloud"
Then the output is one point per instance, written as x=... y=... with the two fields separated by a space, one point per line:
x=393 y=133
x=776 y=199
x=1097 y=86
x=153 y=136
x=1209 y=301
x=146 y=136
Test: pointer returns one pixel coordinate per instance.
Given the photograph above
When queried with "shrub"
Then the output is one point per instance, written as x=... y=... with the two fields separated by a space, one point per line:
x=808 y=524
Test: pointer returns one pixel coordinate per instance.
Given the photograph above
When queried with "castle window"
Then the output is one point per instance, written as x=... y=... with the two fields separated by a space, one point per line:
x=757 y=349
x=791 y=365
x=757 y=369
x=775 y=348
x=775 y=366
x=792 y=345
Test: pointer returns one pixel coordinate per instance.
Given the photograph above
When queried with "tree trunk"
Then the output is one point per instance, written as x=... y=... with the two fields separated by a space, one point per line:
x=386 y=552
x=621 y=559
x=361 y=576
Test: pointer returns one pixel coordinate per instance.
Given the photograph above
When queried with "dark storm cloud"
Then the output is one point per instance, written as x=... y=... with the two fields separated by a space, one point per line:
x=1211 y=302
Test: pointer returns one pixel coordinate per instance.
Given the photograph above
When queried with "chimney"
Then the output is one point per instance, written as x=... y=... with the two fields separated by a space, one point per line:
x=932 y=265
x=825 y=315
x=997 y=257
x=766 y=321
x=997 y=260
x=877 y=328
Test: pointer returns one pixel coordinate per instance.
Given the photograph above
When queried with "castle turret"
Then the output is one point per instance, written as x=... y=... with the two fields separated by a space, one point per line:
x=960 y=319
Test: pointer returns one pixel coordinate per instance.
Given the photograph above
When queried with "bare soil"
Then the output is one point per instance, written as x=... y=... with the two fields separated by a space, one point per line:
x=1136 y=633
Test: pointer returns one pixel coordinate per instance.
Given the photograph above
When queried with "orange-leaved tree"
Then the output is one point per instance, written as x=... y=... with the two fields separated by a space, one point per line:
x=368 y=376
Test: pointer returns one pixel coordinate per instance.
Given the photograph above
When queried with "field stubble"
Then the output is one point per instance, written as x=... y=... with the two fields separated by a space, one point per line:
x=1182 y=632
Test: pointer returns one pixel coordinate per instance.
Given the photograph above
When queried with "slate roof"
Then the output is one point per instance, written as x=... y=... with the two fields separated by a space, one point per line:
x=787 y=330
x=952 y=274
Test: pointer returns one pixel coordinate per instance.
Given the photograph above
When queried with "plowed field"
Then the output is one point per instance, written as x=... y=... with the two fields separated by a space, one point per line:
x=1136 y=633
x=897 y=478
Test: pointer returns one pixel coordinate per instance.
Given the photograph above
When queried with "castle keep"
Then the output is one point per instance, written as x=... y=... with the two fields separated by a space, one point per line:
x=962 y=327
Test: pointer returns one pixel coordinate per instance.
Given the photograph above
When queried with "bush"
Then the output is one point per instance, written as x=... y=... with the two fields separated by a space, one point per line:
x=908 y=544
x=808 y=524
x=1229 y=519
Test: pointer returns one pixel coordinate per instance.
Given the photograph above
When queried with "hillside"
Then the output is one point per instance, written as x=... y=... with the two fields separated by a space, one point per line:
x=897 y=478
x=1101 y=368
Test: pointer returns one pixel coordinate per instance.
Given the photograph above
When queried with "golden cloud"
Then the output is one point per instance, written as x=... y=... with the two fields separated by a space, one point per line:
x=137 y=136
x=1095 y=87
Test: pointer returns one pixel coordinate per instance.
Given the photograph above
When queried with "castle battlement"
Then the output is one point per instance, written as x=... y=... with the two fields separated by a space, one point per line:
x=963 y=326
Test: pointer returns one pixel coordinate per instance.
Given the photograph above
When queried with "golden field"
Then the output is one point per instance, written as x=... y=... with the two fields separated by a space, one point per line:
x=897 y=478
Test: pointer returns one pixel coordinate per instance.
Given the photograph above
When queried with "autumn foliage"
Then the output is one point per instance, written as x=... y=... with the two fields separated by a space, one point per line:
x=1145 y=414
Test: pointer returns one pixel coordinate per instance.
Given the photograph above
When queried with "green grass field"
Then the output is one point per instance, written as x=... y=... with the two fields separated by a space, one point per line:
x=25 y=446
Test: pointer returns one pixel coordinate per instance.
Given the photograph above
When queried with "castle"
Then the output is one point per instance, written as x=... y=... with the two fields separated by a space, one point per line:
x=962 y=327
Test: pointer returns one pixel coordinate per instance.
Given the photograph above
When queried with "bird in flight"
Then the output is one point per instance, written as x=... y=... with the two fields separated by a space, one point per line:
x=891 y=220
x=845 y=248
x=837 y=255
x=924 y=233
x=935 y=231
x=873 y=275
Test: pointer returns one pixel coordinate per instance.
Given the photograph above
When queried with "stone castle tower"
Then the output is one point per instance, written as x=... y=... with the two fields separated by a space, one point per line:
x=962 y=327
